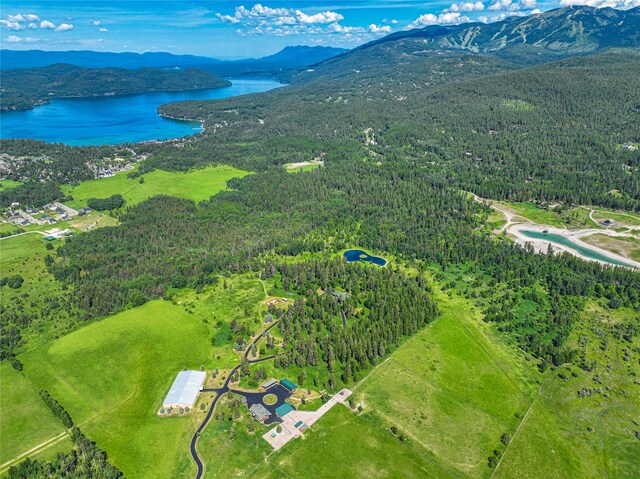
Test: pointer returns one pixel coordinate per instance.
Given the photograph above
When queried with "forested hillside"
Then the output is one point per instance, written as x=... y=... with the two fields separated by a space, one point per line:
x=551 y=132
x=25 y=88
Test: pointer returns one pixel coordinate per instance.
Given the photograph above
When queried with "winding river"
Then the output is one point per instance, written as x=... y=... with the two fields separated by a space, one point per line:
x=117 y=119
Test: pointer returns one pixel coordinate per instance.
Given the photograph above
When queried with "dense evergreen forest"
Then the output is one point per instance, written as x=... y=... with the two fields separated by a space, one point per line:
x=553 y=132
x=381 y=307
x=398 y=208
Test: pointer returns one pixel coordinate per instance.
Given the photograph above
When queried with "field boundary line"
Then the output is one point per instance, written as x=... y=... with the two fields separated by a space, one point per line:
x=40 y=447
x=526 y=415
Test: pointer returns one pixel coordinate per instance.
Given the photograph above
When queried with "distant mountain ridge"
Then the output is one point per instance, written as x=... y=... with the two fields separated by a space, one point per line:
x=539 y=38
x=289 y=57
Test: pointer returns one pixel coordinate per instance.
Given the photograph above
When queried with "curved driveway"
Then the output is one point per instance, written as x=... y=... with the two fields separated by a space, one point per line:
x=220 y=391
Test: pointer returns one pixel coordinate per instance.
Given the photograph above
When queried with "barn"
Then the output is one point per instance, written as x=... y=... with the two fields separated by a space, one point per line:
x=185 y=389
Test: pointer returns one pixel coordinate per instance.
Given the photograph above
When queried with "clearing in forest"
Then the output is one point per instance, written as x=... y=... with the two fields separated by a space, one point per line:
x=195 y=185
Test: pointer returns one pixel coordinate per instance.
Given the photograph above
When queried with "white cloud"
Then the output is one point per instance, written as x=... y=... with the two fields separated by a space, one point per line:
x=505 y=15
x=11 y=25
x=264 y=20
x=95 y=23
x=259 y=14
x=466 y=7
x=373 y=28
x=103 y=29
x=32 y=21
x=602 y=3
x=446 y=18
x=17 y=39
x=511 y=6
x=323 y=17
x=394 y=21
x=20 y=17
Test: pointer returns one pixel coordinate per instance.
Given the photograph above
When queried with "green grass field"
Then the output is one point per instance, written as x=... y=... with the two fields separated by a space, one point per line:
x=590 y=437
x=6 y=184
x=453 y=389
x=196 y=185
x=535 y=214
x=112 y=376
x=25 y=421
x=344 y=445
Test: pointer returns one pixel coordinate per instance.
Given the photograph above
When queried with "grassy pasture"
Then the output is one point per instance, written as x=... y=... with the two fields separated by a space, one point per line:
x=112 y=376
x=593 y=436
x=195 y=185
x=229 y=449
x=535 y=214
x=7 y=184
x=342 y=444
x=453 y=389
x=21 y=404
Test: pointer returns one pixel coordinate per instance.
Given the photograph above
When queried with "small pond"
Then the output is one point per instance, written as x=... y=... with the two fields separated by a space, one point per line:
x=352 y=255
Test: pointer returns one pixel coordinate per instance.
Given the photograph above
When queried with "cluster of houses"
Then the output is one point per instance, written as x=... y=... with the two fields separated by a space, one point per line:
x=50 y=214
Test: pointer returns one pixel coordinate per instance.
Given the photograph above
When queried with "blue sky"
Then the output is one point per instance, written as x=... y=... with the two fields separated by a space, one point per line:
x=230 y=30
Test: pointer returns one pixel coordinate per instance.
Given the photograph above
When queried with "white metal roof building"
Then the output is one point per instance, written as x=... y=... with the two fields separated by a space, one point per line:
x=185 y=389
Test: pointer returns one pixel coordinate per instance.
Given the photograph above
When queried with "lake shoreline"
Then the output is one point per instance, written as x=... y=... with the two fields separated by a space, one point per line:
x=120 y=119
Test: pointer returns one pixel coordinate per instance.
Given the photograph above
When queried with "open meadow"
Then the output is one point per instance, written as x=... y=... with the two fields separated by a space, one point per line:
x=112 y=376
x=195 y=185
x=453 y=390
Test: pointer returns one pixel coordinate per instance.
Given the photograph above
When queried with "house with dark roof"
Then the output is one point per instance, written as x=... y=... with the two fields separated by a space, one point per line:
x=259 y=412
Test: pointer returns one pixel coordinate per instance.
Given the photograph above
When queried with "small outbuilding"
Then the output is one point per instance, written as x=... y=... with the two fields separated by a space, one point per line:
x=269 y=383
x=185 y=389
x=288 y=384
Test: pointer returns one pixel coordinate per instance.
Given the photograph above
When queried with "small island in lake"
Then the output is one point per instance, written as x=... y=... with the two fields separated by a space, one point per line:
x=352 y=255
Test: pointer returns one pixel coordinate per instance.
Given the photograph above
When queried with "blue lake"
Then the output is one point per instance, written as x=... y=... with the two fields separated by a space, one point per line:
x=116 y=119
x=352 y=255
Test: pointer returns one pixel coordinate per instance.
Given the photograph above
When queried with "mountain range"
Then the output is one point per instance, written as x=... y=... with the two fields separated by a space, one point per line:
x=289 y=57
x=539 y=38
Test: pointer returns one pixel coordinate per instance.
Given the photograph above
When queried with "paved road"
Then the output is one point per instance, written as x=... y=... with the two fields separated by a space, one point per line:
x=219 y=393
